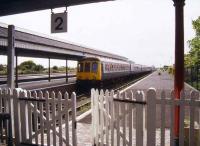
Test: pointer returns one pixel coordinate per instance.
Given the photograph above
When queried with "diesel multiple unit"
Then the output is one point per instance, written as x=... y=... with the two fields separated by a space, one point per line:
x=93 y=70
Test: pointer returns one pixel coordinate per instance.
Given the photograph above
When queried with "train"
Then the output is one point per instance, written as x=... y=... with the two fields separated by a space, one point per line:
x=94 y=71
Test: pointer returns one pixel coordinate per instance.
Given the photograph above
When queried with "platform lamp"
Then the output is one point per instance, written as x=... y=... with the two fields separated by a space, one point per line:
x=179 y=61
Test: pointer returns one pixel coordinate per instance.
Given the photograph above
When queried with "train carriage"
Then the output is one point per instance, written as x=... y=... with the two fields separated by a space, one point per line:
x=101 y=69
x=91 y=70
x=114 y=69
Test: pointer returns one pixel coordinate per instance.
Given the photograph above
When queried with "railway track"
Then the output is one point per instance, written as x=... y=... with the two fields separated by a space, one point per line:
x=25 y=79
x=85 y=101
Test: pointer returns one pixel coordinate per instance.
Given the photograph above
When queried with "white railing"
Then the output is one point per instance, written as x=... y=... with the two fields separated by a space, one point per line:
x=40 y=119
x=130 y=118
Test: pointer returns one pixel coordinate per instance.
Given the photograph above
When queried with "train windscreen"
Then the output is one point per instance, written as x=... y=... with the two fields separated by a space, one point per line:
x=94 y=67
x=87 y=67
x=80 y=67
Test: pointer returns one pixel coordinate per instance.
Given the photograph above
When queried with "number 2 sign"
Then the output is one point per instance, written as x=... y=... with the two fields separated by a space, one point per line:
x=58 y=22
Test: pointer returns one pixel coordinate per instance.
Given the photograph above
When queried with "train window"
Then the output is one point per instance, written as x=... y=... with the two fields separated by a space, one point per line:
x=87 y=67
x=107 y=67
x=80 y=67
x=94 y=67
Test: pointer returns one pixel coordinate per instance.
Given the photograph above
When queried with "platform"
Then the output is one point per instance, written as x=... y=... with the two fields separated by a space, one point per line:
x=161 y=82
x=164 y=81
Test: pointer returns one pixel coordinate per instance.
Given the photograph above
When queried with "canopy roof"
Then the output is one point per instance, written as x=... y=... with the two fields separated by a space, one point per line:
x=9 y=7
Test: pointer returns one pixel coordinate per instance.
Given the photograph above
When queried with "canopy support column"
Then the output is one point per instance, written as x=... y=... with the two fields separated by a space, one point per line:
x=16 y=71
x=49 y=78
x=11 y=57
x=66 y=71
x=179 y=61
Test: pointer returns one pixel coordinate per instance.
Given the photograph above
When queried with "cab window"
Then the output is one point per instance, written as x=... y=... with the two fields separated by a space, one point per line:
x=80 y=67
x=94 y=67
x=87 y=67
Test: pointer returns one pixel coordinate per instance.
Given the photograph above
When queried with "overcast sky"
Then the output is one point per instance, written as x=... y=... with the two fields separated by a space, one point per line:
x=141 y=30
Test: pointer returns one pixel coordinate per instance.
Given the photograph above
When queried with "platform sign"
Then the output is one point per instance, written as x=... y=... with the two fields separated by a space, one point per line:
x=58 y=22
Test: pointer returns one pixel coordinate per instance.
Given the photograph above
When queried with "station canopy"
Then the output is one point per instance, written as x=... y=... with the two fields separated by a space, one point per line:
x=10 y=7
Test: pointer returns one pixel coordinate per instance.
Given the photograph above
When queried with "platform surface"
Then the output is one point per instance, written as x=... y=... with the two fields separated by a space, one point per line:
x=164 y=81
x=161 y=82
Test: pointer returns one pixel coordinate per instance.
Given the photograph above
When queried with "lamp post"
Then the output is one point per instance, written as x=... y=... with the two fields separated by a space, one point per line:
x=179 y=61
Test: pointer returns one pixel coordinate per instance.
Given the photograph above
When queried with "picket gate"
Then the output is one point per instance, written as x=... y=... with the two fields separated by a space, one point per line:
x=130 y=118
x=41 y=119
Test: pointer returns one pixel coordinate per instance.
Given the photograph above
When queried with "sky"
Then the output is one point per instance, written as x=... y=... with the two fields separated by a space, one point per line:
x=142 y=31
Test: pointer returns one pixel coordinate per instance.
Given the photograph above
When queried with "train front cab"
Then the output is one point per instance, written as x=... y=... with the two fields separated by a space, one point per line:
x=88 y=73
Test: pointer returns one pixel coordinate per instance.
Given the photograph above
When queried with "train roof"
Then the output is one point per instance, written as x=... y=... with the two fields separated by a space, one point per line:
x=104 y=60
x=112 y=61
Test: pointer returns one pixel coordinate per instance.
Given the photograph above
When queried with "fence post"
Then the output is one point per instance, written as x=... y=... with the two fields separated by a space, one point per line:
x=193 y=96
x=139 y=119
x=182 y=117
x=97 y=114
x=48 y=124
x=53 y=96
x=74 y=123
x=30 y=129
x=101 y=117
x=10 y=102
x=23 y=116
x=4 y=101
x=112 y=117
x=41 y=118
x=1 y=97
x=130 y=118
x=66 y=97
x=60 y=118
x=35 y=118
x=107 y=114
x=151 y=117
x=118 y=114
x=16 y=117
x=172 y=118
x=123 y=109
x=163 y=99
x=93 y=116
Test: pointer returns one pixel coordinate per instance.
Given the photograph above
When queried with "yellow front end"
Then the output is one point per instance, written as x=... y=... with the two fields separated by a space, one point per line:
x=89 y=70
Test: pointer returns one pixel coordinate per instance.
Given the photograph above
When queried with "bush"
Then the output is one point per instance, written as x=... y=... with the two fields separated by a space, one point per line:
x=28 y=67
x=3 y=69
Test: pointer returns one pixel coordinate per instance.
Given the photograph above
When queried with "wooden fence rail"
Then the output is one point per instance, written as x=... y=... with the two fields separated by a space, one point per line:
x=130 y=118
x=41 y=119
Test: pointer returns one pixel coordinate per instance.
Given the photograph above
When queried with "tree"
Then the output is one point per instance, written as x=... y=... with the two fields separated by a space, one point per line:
x=30 y=67
x=27 y=65
x=39 y=68
x=193 y=57
x=1 y=67
x=55 y=68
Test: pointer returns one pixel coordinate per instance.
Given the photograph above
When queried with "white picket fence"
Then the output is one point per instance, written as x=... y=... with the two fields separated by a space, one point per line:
x=129 y=119
x=40 y=119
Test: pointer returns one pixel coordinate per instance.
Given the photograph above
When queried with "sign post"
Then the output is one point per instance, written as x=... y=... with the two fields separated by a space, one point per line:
x=59 y=22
